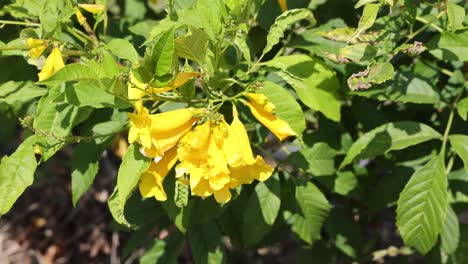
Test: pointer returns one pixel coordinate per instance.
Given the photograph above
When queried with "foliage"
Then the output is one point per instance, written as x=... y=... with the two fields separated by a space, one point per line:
x=365 y=114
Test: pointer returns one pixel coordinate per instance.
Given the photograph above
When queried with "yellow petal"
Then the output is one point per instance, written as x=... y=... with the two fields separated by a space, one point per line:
x=246 y=174
x=171 y=120
x=152 y=180
x=243 y=141
x=183 y=77
x=223 y=195
x=36 y=52
x=79 y=16
x=135 y=88
x=277 y=126
x=53 y=63
x=283 y=5
x=34 y=43
x=93 y=8
x=262 y=100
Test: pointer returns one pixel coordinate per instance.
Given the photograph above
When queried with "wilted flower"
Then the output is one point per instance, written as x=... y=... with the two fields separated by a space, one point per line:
x=53 y=63
x=263 y=110
x=93 y=8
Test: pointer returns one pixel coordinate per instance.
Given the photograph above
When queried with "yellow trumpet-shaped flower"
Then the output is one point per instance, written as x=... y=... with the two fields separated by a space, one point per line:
x=263 y=110
x=53 y=63
x=159 y=132
x=151 y=184
x=37 y=47
x=137 y=89
x=93 y=8
x=202 y=158
x=244 y=167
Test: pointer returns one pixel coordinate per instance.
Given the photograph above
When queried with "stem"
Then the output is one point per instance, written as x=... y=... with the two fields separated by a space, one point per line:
x=449 y=123
x=410 y=37
x=20 y=23
x=423 y=20
x=15 y=48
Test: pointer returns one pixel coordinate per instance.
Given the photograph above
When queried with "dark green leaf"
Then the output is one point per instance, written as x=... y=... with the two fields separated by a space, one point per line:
x=460 y=144
x=22 y=92
x=205 y=242
x=164 y=251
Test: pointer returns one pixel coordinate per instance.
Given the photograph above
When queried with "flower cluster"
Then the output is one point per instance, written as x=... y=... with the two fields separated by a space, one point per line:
x=213 y=156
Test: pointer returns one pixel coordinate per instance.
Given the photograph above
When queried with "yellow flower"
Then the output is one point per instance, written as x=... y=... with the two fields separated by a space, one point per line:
x=37 y=47
x=93 y=8
x=202 y=158
x=79 y=16
x=263 y=110
x=244 y=167
x=159 y=132
x=151 y=183
x=52 y=64
x=136 y=89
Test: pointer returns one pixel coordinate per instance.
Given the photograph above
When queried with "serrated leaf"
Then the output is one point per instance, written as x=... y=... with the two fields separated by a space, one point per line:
x=261 y=211
x=282 y=22
x=84 y=166
x=16 y=174
x=315 y=83
x=456 y=16
x=369 y=14
x=123 y=49
x=164 y=251
x=241 y=43
x=88 y=94
x=406 y=88
x=72 y=72
x=312 y=208
x=163 y=53
x=317 y=160
x=345 y=182
x=133 y=165
x=19 y=92
x=422 y=206
x=205 y=242
x=287 y=108
x=450 y=234
x=388 y=137
x=192 y=46
x=460 y=144
x=450 y=45
x=462 y=108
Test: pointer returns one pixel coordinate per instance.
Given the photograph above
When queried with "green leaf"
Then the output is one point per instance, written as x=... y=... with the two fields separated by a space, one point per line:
x=462 y=108
x=319 y=160
x=460 y=144
x=376 y=74
x=388 y=137
x=54 y=13
x=311 y=210
x=89 y=94
x=422 y=206
x=85 y=165
x=369 y=14
x=164 y=251
x=456 y=16
x=283 y=22
x=450 y=234
x=345 y=182
x=405 y=88
x=315 y=83
x=72 y=72
x=192 y=46
x=16 y=174
x=205 y=242
x=19 y=92
x=181 y=195
x=360 y=52
x=163 y=53
x=123 y=49
x=261 y=211
x=211 y=14
x=450 y=45
x=287 y=108
x=133 y=165
x=240 y=41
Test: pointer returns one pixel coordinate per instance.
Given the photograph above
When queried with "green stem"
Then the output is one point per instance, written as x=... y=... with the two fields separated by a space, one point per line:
x=449 y=124
x=423 y=20
x=15 y=48
x=20 y=23
x=417 y=32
